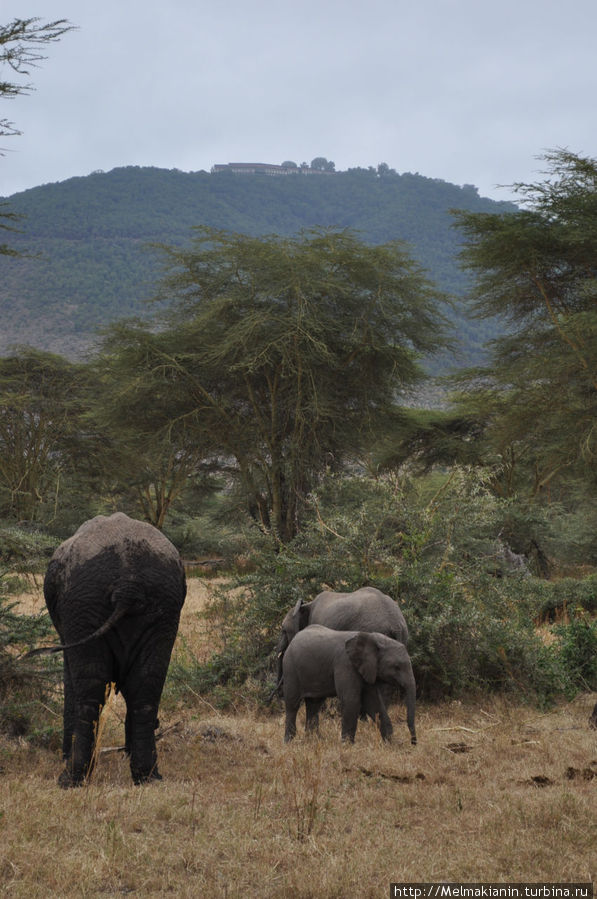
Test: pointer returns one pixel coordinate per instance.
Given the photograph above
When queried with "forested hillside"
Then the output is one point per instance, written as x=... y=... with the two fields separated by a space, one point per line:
x=87 y=239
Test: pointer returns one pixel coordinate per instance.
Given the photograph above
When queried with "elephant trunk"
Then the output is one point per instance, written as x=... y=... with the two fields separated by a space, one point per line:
x=410 y=700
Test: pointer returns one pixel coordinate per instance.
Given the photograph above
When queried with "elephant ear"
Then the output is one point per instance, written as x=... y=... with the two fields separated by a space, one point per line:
x=300 y=614
x=362 y=652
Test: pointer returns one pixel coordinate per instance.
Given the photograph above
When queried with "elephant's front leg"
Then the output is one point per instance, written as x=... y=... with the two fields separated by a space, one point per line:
x=312 y=707
x=374 y=706
x=351 y=706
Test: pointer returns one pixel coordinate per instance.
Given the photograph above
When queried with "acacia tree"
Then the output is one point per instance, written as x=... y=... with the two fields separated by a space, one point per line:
x=287 y=356
x=41 y=405
x=529 y=414
x=537 y=270
x=21 y=43
x=149 y=452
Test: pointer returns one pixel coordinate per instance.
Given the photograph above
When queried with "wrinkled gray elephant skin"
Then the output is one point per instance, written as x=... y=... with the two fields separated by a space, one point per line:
x=352 y=665
x=367 y=609
x=593 y=717
x=114 y=591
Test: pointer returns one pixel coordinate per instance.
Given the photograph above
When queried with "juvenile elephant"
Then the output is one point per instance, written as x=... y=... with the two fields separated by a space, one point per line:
x=367 y=609
x=352 y=665
x=114 y=591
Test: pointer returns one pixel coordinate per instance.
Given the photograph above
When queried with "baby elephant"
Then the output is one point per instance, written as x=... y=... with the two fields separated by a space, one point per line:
x=351 y=665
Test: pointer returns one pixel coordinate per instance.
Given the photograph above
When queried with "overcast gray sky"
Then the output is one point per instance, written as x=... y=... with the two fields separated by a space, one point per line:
x=468 y=91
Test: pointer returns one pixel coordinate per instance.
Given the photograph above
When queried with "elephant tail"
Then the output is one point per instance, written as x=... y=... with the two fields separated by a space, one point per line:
x=118 y=613
x=124 y=595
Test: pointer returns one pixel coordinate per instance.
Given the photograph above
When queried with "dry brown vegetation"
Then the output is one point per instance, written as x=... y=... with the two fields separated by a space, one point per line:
x=493 y=792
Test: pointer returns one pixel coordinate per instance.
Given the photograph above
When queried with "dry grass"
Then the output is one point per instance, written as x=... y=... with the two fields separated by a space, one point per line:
x=492 y=793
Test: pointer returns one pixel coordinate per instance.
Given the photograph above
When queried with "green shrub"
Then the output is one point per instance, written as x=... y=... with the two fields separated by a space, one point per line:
x=555 y=598
x=471 y=617
x=577 y=651
x=26 y=685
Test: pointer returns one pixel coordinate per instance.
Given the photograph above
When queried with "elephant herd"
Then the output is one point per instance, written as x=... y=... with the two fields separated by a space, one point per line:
x=115 y=591
x=349 y=645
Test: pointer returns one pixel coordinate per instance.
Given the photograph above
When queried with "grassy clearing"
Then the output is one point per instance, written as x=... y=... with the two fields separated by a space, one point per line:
x=493 y=791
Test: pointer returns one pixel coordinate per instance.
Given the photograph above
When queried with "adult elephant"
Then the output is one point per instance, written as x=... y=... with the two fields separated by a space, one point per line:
x=114 y=591
x=366 y=609
x=352 y=665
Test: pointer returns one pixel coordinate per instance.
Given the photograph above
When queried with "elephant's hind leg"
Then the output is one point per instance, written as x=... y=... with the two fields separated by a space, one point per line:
x=292 y=708
x=79 y=755
x=141 y=724
x=142 y=691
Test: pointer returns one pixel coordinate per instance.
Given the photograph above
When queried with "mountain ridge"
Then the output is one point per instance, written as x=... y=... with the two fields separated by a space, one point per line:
x=87 y=238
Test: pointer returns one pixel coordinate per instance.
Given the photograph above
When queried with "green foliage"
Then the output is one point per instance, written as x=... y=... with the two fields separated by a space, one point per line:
x=22 y=552
x=149 y=455
x=555 y=599
x=25 y=686
x=209 y=527
x=535 y=404
x=470 y=635
x=21 y=42
x=42 y=399
x=279 y=358
x=471 y=613
x=577 y=651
